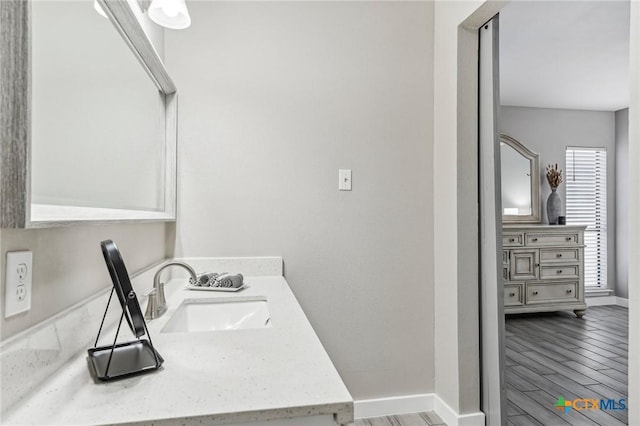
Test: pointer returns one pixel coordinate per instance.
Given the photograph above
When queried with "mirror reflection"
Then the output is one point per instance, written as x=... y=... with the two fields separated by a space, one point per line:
x=520 y=184
x=516 y=185
x=98 y=131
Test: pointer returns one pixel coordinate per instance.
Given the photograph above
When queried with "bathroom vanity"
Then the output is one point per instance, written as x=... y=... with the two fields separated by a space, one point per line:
x=261 y=372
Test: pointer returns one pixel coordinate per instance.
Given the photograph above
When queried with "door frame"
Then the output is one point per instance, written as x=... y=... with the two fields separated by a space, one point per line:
x=466 y=127
x=491 y=309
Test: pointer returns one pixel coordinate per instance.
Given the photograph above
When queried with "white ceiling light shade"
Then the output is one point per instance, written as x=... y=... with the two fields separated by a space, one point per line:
x=98 y=8
x=170 y=13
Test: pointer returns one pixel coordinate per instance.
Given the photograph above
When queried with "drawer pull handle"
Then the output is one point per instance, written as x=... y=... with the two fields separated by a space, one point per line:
x=568 y=238
x=512 y=240
x=569 y=291
x=535 y=293
x=559 y=271
x=511 y=294
x=534 y=239
x=559 y=255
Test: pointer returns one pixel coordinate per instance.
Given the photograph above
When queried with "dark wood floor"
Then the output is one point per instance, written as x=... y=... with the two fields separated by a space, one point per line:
x=556 y=354
x=417 y=419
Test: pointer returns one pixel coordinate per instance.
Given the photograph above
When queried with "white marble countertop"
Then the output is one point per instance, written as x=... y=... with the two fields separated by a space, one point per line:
x=216 y=377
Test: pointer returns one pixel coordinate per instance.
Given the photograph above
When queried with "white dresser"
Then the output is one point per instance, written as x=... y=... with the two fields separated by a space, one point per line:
x=543 y=268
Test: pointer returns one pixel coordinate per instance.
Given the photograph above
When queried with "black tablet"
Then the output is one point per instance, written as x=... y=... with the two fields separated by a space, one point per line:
x=123 y=288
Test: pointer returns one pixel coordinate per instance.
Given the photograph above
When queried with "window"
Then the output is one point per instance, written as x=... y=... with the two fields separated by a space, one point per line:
x=586 y=178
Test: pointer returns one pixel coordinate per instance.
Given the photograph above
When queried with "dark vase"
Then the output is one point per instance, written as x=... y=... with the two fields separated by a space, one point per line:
x=554 y=207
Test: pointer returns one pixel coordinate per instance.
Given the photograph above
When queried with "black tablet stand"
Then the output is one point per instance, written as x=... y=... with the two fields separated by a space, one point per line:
x=121 y=360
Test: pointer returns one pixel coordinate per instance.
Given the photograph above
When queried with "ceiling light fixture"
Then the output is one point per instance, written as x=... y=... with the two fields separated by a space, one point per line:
x=167 y=13
x=98 y=8
x=170 y=14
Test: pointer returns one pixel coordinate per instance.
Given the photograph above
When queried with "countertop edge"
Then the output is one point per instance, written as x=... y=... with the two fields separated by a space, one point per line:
x=342 y=413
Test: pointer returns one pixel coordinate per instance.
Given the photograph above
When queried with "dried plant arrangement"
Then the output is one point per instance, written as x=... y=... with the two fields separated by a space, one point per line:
x=554 y=176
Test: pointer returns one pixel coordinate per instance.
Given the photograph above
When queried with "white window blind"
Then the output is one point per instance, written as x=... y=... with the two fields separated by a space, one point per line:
x=586 y=179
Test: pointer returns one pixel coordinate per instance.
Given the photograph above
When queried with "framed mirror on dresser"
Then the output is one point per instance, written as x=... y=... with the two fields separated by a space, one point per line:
x=542 y=265
x=520 y=182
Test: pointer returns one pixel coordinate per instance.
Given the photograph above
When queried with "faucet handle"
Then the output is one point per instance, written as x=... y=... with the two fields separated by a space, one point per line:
x=152 y=305
x=152 y=292
x=160 y=299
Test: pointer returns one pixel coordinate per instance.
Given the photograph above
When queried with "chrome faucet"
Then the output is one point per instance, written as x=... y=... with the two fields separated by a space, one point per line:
x=157 y=304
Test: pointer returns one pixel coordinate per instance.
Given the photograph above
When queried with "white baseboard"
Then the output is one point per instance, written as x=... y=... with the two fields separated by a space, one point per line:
x=451 y=418
x=622 y=302
x=607 y=300
x=406 y=404
x=367 y=408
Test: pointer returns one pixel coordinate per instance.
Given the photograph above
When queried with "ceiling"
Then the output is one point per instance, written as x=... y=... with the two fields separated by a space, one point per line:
x=565 y=54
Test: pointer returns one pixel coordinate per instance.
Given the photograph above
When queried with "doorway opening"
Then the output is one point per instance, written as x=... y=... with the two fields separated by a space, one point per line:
x=564 y=98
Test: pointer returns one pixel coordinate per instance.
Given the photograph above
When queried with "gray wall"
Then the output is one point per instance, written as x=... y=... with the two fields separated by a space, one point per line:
x=548 y=132
x=274 y=99
x=68 y=266
x=622 y=203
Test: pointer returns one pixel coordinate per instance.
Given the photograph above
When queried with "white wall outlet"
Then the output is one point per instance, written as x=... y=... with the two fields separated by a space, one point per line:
x=344 y=180
x=17 y=284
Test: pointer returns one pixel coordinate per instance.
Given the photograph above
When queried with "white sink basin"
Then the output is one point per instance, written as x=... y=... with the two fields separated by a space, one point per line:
x=212 y=314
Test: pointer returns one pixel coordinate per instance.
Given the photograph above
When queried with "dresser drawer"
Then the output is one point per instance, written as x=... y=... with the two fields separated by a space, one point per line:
x=564 y=255
x=505 y=257
x=505 y=272
x=551 y=239
x=512 y=239
x=551 y=292
x=559 y=271
x=513 y=295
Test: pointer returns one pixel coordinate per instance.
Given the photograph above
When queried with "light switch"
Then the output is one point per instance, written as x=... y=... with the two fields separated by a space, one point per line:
x=344 y=180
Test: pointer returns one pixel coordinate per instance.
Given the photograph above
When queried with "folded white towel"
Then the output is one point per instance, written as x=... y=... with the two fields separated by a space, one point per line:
x=229 y=281
x=205 y=280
